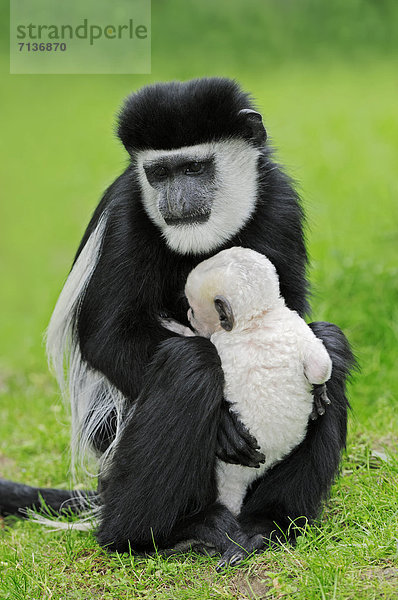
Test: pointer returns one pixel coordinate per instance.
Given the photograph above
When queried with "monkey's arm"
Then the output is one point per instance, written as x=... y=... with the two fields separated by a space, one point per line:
x=317 y=362
x=235 y=444
x=164 y=463
x=317 y=369
x=117 y=326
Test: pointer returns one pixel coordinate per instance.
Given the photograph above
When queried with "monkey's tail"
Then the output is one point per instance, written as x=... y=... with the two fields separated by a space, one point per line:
x=19 y=499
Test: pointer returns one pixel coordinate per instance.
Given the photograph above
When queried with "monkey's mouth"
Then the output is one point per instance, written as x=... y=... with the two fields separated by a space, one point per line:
x=188 y=220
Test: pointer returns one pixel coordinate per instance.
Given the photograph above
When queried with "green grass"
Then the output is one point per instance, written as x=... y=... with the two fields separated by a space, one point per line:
x=334 y=123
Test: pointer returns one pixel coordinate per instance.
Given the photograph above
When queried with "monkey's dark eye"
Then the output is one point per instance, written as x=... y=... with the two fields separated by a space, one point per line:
x=155 y=172
x=194 y=168
x=160 y=172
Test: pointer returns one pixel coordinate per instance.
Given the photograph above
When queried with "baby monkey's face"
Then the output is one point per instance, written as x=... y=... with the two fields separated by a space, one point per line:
x=203 y=317
x=209 y=311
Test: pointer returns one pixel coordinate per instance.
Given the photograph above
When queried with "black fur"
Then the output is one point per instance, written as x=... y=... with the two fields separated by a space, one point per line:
x=15 y=498
x=160 y=486
x=172 y=115
x=184 y=372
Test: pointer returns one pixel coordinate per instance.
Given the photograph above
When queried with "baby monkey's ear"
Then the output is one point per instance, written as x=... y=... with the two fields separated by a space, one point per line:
x=224 y=309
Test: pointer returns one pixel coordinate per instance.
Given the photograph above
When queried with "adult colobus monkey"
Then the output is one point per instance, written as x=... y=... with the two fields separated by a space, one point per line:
x=200 y=179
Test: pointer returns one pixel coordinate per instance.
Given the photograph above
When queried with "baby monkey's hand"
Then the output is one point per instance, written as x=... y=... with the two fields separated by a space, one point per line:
x=321 y=400
x=176 y=327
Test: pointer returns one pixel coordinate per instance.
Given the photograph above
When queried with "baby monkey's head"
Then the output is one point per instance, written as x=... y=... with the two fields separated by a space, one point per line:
x=229 y=289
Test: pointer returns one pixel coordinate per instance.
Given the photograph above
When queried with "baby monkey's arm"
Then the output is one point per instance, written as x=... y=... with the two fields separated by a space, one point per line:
x=176 y=327
x=317 y=362
x=317 y=369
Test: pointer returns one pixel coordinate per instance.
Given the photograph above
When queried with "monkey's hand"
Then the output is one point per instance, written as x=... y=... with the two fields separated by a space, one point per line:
x=321 y=400
x=235 y=444
x=176 y=327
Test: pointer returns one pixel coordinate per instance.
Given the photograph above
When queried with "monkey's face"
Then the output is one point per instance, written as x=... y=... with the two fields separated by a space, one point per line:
x=199 y=196
x=209 y=310
x=185 y=187
x=203 y=318
x=195 y=146
x=228 y=290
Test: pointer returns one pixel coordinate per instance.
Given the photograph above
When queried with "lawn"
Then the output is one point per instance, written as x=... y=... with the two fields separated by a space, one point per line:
x=333 y=123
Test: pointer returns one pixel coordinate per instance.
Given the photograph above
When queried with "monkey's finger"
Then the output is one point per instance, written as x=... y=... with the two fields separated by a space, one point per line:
x=235 y=429
x=230 y=455
x=321 y=400
x=232 y=556
x=317 y=410
x=230 y=561
x=232 y=433
x=236 y=553
x=245 y=457
x=325 y=398
x=234 y=450
x=224 y=450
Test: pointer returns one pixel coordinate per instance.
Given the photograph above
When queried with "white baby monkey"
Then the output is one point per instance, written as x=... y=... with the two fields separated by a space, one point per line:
x=269 y=356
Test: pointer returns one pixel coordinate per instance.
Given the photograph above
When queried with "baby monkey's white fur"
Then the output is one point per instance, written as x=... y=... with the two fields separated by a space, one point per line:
x=270 y=358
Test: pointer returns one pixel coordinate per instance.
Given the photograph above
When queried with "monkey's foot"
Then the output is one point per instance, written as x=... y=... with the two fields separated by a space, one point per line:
x=321 y=400
x=187 y=546
x=235 y=444
x=236 y=553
